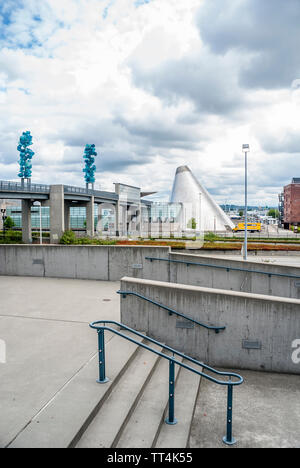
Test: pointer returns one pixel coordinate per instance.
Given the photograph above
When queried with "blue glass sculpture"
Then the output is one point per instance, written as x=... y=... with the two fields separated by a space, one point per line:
x=90 y=168
x=26 y=155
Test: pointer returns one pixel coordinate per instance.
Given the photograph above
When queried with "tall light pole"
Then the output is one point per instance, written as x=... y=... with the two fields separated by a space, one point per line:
x=246 y=149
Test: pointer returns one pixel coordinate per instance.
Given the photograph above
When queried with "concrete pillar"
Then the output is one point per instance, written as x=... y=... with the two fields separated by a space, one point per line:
x=160 y=227
x=2 y=207
x=26 y=221
x=57 y=213
x=149 y=221
x=99 y=220
x=139 y=220
x=67 y=215
x=121 y=219
x=90 y=217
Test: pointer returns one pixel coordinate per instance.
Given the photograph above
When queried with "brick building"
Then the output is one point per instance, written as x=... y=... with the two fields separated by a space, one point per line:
x=291 y=204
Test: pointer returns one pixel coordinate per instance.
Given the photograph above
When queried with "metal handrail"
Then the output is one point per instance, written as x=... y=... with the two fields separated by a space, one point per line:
x=228 y=268
x=101 y=326
x=172 y=311
x=19 y=187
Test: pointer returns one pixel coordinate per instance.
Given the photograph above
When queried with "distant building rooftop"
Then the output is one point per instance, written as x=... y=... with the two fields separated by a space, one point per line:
x=296 y=180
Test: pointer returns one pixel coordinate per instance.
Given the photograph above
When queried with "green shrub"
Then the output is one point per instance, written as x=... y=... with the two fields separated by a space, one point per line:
x=84 y=241
x=210 y=237
x=9 y=223
x=68 y=238
x=13 y=235
x=104 y=242
x=9 y=241
x=37 y=234
x=192 y=224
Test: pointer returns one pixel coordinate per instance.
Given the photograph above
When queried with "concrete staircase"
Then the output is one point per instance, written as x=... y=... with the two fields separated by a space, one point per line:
x=128 y=411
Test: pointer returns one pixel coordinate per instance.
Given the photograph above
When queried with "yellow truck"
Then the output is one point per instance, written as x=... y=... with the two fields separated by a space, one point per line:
x=252 y=227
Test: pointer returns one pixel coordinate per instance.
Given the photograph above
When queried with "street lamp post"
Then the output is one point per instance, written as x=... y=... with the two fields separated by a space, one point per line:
x=246 y=149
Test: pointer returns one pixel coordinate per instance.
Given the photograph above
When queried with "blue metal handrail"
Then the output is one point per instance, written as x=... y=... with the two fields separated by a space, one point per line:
x=228 y=268
x=101 y=326
x=171 y=311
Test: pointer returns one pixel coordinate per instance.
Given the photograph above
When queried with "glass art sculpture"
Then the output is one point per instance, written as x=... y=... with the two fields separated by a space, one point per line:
x=26 y=155
x=90 y=168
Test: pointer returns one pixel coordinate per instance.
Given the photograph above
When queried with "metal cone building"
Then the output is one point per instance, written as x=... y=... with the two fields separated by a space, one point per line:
x=198 y=203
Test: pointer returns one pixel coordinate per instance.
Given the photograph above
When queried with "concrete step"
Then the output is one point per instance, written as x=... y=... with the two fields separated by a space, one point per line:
x=108 y=424
x=65 y=418
x=143 y=425
x=186 y=393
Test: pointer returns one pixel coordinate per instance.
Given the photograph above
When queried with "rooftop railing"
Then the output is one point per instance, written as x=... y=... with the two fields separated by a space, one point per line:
x=23 y=187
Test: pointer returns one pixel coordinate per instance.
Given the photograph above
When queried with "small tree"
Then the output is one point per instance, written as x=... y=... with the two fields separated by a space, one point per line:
x=9 y=223
x=68 y=238
x=273 y=212
x=241 y=213
x=192 y=224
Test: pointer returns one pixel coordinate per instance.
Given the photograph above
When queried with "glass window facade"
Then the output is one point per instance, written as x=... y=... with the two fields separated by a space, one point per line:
x=165 y=211
x=77 y=216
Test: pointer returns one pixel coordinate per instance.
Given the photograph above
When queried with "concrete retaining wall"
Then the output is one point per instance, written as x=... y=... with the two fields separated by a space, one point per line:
x=214 y=277
x=108 y=263
x=269 y=323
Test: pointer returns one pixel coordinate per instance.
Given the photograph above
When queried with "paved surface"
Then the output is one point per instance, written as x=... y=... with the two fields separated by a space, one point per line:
x=44 y=323
x=266 y=412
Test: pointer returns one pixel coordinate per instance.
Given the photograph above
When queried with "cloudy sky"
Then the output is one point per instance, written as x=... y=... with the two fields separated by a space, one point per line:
x=154 y=84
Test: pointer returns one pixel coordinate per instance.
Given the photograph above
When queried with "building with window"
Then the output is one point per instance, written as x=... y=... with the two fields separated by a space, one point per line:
x=289 y=204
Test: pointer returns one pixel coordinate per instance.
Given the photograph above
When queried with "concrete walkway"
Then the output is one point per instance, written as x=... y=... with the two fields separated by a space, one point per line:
x=266 y=412
x=44 y=323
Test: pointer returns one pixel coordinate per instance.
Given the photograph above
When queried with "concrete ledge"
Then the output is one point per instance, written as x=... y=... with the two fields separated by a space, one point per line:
x=260 y=329
x=106 y=263
x=212 y=276
x=186 y=287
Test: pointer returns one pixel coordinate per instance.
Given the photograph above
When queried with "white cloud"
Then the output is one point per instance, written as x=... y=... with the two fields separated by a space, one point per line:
x=139 y=81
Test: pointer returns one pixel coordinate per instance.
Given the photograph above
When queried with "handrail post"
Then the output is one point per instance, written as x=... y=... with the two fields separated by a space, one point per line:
x=171 y=419
x=228 y=439
x=101 y=351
